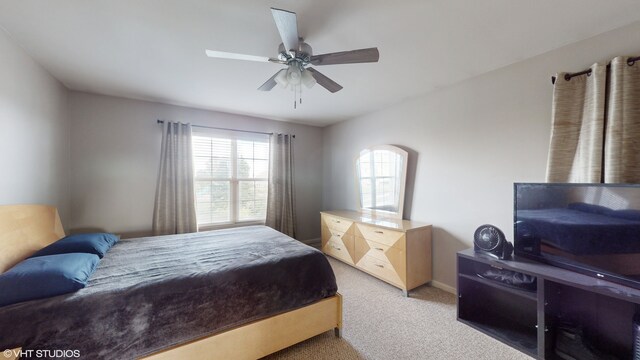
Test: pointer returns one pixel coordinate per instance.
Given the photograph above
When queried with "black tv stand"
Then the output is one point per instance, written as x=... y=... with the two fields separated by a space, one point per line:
x=528 y=320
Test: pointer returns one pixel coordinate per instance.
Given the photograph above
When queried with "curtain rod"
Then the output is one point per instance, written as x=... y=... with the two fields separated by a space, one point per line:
x=228 y=129
x=568 y=77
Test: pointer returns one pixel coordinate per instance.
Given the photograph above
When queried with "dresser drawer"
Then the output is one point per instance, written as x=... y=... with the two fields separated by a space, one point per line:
x=336 y=223
x=381 y=269
x=393 y=255
x=337 y=249
x=337 y=233
x=382 y=236
x=328 y=234
x=338 y=236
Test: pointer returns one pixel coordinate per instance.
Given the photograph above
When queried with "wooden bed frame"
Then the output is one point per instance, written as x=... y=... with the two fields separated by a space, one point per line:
x=25 y=229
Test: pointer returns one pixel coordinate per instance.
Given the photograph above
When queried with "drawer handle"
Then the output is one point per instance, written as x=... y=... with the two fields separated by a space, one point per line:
x=337 y=221
x=379 y=249
x=378 y=232
x=335 y=247
x=380 y=266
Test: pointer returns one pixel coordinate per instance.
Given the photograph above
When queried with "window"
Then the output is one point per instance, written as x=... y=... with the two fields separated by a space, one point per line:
x=231 y=172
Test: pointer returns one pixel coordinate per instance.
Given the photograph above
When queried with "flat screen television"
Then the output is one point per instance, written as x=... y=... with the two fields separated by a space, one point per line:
x=593 y=229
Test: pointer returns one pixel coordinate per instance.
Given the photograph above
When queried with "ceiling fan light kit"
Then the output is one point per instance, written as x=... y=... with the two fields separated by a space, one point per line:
x=308 y=80
x=294 y=75
x=298 y=57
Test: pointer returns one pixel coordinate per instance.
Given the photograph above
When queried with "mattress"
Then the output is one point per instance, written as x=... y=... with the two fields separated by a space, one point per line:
x=580 y=232
x=151 y=293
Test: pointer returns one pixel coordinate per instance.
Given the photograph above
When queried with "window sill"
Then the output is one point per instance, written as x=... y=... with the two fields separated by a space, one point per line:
x=229 y=226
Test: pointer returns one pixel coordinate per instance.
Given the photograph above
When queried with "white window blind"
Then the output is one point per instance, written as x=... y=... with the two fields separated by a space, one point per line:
x=231 y=173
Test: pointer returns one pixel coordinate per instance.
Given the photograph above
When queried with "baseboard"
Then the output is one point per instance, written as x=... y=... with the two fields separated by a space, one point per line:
x=443 y=286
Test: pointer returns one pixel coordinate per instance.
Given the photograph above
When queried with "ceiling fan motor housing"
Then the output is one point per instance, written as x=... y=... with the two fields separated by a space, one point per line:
x=302 y=54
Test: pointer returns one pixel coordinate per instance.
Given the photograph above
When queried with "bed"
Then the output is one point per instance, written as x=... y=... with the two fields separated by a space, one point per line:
x=238 y=293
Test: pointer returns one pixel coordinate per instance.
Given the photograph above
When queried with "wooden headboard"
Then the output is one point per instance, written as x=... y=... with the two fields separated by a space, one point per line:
x=25 y=229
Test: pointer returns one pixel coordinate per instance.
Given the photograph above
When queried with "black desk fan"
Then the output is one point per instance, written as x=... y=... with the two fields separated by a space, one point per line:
x=490 y=240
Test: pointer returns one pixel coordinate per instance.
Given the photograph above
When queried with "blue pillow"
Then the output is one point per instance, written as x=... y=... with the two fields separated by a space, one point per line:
x=98 y=243
x=45 y=276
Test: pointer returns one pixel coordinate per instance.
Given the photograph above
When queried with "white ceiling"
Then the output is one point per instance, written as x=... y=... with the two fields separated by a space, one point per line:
x=154 y=49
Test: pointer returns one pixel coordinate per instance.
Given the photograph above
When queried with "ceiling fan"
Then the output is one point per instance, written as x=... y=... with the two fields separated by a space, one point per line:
x=298 y=56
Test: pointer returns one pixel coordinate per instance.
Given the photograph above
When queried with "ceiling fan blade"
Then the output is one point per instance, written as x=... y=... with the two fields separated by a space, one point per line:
x=324 y=81
x=235 y=56
x=287 y=27
x=269 y=84
x=347 y=57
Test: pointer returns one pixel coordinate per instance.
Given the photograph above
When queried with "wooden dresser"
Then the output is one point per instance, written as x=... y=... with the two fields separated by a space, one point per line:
x=396 y=251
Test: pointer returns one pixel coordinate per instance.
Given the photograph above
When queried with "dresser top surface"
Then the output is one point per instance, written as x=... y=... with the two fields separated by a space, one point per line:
x=389 y=223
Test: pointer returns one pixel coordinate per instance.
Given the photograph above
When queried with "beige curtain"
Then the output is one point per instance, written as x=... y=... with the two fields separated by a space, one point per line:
x=280 y=199
x=622 y=140
x=175 y=211
x=575 y=151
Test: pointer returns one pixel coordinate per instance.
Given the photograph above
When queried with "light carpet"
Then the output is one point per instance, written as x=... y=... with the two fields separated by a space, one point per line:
x=380 y=323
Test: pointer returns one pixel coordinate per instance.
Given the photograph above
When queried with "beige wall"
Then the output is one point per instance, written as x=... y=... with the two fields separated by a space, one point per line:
x=115 y=154
x=34 y=132
x=469 y=142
